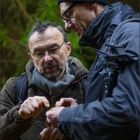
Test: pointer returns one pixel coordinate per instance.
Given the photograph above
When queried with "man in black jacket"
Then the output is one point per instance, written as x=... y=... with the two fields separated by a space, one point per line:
x=51 y=74
x=112 y=100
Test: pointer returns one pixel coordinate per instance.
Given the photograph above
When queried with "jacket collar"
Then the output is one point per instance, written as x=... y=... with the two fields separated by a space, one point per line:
x=98 y=30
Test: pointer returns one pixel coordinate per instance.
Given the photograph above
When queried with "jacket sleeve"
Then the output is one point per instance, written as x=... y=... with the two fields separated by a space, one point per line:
x=122 y=109
x=11 y=125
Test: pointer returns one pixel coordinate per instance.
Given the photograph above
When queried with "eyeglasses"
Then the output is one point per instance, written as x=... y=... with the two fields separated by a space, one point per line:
x=67 y=14
x=53 y=49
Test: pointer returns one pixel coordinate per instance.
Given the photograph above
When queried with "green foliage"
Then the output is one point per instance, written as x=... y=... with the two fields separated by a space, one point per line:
x=3 y=36
x=16 y=20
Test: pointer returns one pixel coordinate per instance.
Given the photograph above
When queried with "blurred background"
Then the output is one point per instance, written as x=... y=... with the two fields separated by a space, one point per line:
x=16 y=19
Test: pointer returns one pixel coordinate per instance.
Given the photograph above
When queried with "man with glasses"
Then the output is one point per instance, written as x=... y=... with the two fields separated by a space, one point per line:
x=51 y=74
x=112 y=95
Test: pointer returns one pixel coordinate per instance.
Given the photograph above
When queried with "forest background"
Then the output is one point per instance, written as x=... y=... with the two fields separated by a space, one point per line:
x=16 y=20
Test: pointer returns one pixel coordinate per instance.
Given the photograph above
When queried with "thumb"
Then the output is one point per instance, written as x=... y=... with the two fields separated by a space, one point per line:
x=57 y=103
x=46 y=102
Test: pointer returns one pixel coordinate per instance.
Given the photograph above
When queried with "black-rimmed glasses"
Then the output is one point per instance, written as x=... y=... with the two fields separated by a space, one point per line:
x=52 y=50
x=67 y=14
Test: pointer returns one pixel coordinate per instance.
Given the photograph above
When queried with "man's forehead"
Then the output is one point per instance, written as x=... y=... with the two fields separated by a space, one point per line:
x=54 y=34
x=51 y=33
x=64 y=6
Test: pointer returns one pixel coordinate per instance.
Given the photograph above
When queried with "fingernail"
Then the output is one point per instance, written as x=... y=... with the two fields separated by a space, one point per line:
x=57 y=103
x=47 y=105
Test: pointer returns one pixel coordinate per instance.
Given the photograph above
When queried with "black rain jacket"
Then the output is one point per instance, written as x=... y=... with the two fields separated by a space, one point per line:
x=112 y=102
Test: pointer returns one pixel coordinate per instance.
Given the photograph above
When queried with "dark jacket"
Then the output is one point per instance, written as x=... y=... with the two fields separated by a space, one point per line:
x=14 y=128
x=112 y=101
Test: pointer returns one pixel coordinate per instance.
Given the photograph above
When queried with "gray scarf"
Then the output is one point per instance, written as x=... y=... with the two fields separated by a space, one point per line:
x=40 y=81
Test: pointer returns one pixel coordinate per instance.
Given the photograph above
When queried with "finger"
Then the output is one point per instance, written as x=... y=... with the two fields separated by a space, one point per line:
x=38 y=110
x=54 y=135
x=66 y=102
x=61 y=102
x=57 y=104
x=59 y=135
x=44 y=101
x=35 y=103
x=34 y=107
x=30 y=105
x=24 y=113
x=44 y=134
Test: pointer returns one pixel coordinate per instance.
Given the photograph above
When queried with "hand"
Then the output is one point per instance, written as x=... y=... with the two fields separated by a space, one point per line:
x=51 y=133
x=52 y=115
x=32 y=107
x=67 y=102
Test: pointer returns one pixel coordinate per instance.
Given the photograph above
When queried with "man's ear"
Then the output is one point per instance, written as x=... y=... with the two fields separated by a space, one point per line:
x=92 y=6
x=28 y=50
x=29 y=54
x=68 y=48
x=96 y=7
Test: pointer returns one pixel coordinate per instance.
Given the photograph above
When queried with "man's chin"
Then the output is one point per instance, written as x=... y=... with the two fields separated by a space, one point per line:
x=50 y=70
x=50 y=76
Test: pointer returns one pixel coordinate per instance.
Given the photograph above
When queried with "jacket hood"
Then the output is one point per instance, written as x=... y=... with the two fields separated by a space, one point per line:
x=98 y=30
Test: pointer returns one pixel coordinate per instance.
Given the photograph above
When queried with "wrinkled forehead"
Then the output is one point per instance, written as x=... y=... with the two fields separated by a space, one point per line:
x=64 y=6
x=51 y=34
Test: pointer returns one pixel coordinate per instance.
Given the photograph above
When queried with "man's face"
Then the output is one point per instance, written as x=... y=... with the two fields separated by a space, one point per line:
x=76 y=16
x=49 y=52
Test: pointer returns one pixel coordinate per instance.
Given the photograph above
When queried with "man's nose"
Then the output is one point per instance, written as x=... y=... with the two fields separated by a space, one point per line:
x=47 y=56
x=68 y=25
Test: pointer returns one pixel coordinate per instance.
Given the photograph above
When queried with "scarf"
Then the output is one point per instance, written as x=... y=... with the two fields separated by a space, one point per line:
x=40 y=81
